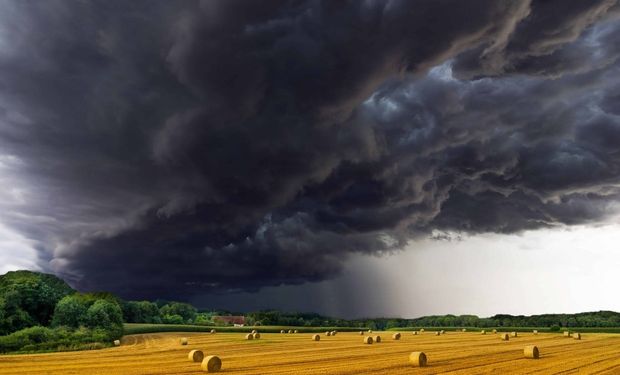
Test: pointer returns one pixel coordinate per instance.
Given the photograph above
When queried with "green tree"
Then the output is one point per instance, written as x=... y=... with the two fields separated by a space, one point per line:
x=70 y=311
x=186 y=311
x=12 y=316
x=106 y=315
x=141 y=312
x=29 y=299
x=173 y=319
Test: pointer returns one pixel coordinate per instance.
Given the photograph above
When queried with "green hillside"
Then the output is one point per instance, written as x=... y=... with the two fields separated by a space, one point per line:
x=28 y=298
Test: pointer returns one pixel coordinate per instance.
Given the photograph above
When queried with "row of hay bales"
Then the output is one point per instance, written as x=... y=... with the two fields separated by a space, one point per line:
x=213 y=363
x=254 y=335
x=419 y=359
x=576 y=335
x=484 y=332
x=289 y=331
x=505 y=337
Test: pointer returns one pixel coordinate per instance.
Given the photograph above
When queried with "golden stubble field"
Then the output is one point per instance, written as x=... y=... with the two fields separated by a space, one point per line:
x=275 y=353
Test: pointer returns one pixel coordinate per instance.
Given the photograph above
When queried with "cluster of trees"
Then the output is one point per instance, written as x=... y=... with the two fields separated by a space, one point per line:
x=41 y=312
x=28 y=299
x=587 y=319
x=277 y=318
x=162 y=312
x=91 y=310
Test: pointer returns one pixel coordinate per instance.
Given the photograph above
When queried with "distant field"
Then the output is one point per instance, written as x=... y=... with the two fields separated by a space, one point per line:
x=276 y=353
x=135 y=328
x=517 y=329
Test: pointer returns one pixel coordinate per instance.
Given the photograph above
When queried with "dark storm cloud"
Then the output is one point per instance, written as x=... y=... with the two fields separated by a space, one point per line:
x=543 y=42
x=165 y=149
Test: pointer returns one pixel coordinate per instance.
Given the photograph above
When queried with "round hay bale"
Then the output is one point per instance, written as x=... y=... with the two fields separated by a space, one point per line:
x=183 y=340
x=514 y=334
x=504 y=337
x=464 y=330
x=377 y=339
x=494 y=331
x=442 y=332
x=421 y=329
x=249 y=336
x=212 y=331
x=333 y=333
x=437 y=333
x=566 y=334
x=256 y=336
x=531 y=351
x=253 y=331
x=328 y=333
x=117 y=342
x=415 y=333
x=196 y=356
x=316 y=337
x=212 y=363
x=370 y=331
x=282 y=331
x=290 y=331
x=368 y=340
x=396 y=336
x=535 y=332
x=361 y=333
x=417 y=359
x=483 y=332
x=577 y=336
x=295 y=331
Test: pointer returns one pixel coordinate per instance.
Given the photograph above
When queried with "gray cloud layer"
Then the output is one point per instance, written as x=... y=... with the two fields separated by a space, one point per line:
x=164 y=149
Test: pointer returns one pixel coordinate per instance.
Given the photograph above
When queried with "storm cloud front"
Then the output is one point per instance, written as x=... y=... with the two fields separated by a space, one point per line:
x=167 y=149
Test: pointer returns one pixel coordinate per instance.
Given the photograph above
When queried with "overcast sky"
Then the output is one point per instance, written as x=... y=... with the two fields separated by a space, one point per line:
x=536 y=272
x=354 y=158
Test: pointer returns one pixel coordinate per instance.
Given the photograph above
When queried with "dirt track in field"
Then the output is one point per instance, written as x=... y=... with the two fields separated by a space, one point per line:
x=275 y=353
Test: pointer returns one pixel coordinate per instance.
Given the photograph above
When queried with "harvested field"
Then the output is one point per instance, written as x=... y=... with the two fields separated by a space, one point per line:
x=345 y=353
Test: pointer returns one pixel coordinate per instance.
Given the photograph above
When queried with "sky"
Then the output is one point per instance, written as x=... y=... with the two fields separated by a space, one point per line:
x=535 y=272
x=355 y=158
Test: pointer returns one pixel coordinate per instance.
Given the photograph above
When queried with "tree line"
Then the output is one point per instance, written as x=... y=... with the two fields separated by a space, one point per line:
x=41 y=312
x=600 y=319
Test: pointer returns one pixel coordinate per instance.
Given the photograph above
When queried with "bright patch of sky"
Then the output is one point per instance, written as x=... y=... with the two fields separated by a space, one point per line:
x=544 y=271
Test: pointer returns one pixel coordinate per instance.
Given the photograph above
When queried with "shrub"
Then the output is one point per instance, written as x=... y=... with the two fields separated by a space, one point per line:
x=554 y=328
x=39 y=338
